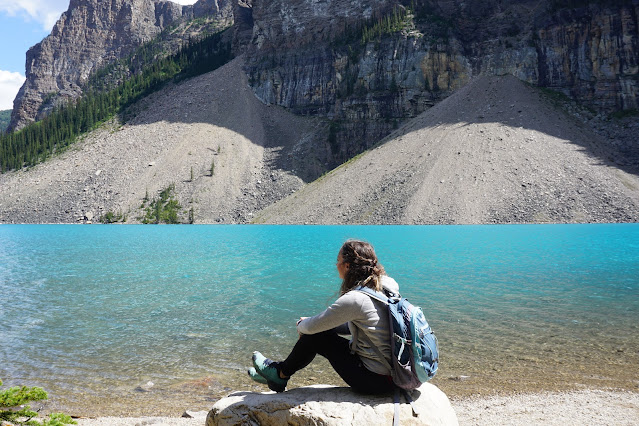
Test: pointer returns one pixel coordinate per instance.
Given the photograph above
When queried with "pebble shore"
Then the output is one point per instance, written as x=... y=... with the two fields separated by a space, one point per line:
x=591 y=407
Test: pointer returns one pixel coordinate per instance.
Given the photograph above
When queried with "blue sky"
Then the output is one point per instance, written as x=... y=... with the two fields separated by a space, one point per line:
x=24 y=23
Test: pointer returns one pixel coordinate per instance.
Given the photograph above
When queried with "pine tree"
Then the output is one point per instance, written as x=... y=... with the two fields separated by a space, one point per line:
x=14 y=408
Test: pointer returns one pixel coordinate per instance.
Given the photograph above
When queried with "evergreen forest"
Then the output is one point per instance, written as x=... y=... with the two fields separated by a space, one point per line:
x=101 y=102
x=5 y=118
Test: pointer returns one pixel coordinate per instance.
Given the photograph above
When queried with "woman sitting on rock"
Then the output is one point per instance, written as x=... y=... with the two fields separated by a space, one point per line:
x=366 y=320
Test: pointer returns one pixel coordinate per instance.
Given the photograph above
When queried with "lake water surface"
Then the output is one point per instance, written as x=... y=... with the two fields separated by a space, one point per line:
x=95 y=313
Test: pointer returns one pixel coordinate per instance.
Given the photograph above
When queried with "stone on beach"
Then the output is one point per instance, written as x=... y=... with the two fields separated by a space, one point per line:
x=329 y=405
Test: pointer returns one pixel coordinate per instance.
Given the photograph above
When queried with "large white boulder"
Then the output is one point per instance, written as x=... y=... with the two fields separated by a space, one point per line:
x=329 y=405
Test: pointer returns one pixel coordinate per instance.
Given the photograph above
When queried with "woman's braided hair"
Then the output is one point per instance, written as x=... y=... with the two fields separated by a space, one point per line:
x=363 y=269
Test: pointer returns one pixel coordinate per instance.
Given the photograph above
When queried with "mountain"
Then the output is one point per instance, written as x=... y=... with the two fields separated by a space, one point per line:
x=260 y=155
x=588 y=50
x=368 y=65
x=90 y=35
x=315 y=84
x=495 y=151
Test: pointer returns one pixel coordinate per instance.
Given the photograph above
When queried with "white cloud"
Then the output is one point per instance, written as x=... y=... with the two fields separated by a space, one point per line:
x=46 y=12
x=10 y=83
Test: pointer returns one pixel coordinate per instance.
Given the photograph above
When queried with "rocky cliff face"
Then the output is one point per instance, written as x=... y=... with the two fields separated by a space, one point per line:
x=326 y=69
x=337 y=58
x=592 y=54
x=315 y=57
x=90 y=34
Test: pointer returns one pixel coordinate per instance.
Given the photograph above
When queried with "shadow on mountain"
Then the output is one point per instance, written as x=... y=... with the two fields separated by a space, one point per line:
x=223 y=99
x=496 y=151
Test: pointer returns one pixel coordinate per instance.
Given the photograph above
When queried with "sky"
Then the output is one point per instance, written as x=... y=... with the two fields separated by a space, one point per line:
x=24 y=23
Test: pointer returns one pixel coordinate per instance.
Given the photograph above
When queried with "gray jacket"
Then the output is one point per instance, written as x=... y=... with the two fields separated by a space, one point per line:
x=367 y=321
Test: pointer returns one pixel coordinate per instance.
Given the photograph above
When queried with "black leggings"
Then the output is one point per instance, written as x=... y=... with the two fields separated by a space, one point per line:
x=336 y=350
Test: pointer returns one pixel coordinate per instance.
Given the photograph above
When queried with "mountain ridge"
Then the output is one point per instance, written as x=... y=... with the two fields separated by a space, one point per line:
x=586 y=50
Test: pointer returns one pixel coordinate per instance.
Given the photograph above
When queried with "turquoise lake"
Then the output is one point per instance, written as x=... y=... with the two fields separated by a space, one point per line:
x=94 y=313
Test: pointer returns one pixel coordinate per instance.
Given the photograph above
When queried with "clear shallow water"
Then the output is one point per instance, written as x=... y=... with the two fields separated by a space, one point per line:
x=92 y=312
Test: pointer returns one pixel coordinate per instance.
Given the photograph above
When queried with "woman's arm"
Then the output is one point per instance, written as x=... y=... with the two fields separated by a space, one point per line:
x=346 y=308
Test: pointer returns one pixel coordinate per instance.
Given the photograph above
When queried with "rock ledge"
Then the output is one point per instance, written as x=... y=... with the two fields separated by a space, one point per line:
x=329 y=405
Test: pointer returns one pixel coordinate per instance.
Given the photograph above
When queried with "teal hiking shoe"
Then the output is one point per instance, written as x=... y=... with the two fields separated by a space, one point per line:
x=265 y=368
x=256 y=377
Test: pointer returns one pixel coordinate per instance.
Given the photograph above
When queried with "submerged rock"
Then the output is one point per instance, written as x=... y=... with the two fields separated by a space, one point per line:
x=330 y=405
x=147 y=387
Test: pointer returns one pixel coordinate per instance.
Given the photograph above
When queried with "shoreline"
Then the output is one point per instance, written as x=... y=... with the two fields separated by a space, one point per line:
x=470 y=394
x=589 y=406
x=580 y=407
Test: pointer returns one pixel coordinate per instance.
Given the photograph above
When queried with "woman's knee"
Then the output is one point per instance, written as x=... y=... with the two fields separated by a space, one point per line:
x=326 y=343
x=323 y=338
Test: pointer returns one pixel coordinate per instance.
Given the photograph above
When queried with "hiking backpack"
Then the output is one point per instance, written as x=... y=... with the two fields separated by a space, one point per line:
x=414 y=349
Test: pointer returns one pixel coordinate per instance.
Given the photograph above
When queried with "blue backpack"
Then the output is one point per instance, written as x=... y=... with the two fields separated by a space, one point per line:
x=414 y=348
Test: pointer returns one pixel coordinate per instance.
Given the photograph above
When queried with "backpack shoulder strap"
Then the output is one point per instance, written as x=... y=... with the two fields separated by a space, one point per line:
x=384 y=299
x=410 y=400
x=397 y=401
x=377 y=295
x=382 y=359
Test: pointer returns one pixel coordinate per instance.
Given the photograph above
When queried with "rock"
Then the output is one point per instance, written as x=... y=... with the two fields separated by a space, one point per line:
x=145 y=387
x=200 y=415
x=13 y=409
x=329 y=405
x=460 y=378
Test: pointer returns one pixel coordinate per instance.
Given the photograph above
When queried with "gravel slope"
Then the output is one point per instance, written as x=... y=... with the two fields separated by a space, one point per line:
x=494 y=152
x=211 y=118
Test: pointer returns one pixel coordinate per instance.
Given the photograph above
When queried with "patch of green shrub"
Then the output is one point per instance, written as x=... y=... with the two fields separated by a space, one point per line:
x=163 y=209
x=15 y=410
x=111 y=217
